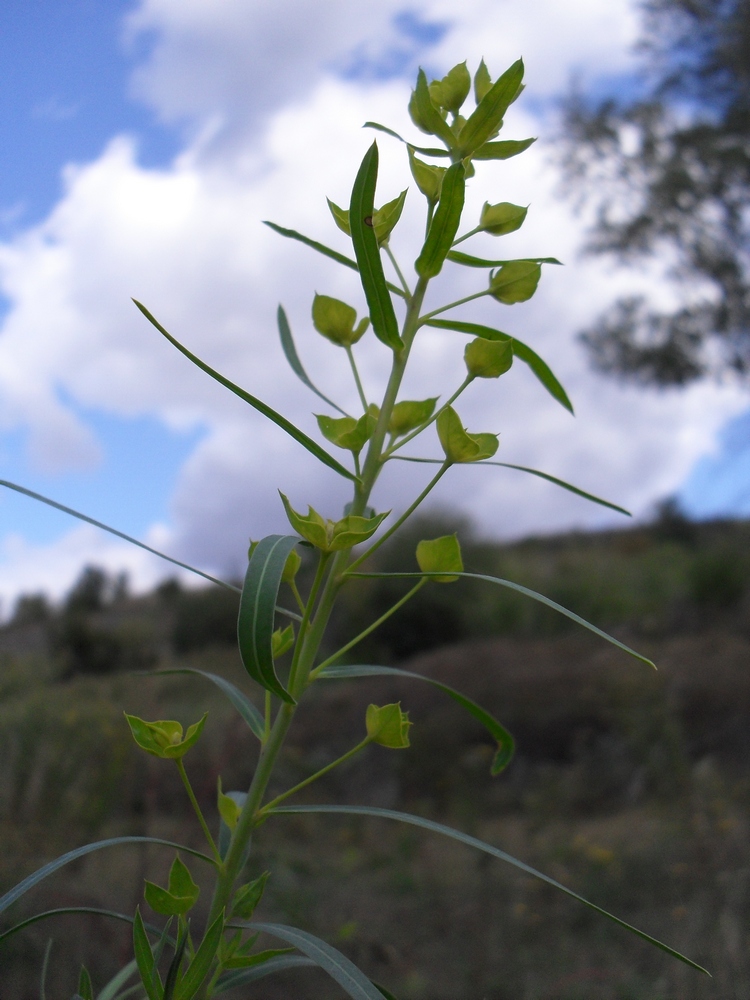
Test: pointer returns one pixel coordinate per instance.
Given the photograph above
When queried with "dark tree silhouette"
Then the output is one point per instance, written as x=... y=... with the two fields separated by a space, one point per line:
x=669 y=174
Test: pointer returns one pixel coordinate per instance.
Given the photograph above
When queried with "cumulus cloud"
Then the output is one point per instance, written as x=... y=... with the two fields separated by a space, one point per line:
x=275 y=122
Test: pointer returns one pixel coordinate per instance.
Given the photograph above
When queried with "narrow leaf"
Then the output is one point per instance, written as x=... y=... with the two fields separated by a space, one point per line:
x=339 y=968
x=495 y=852
x=426 y=116
x=445 y=222
x=292 y=234
x=505 y=743
x=367 y=252
x=533 y=472
x=112 y=531
x=232 y=979
x=534 y=596
x=427 y=151
x=267 y=411
x=85 y=989
x=468 y=261
x=290 y=352
x=501 y=150
x=522 y=351
x=255 y=624
x=146 y=962
x=202 y=962
x=112 y=988
x=484 y=122
x=67 y=911
x=241 y=702
x=174 y=966
x=386 y=993
x=45 y=967
x=30 y=881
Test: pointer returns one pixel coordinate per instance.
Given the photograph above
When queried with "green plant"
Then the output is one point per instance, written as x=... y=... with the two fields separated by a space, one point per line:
x=178 y=960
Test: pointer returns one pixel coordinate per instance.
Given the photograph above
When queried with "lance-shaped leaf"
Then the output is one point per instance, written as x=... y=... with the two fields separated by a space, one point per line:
x=488 y=116
x=267 y=411
x=388 y=725
x=112 y=531
x=201 y=964
x=503 y=218
x=468 y=261
x=534 y=596
x=482 y=82
x=426 y=116
x=427 y=151
x=505 y=742
x=255 y=624
x=230 y=980
x=367 y=252
x=248 y=897
x=144 y=956
x=408 y=414
x=164 y=738
x=354 y=982
x=241 y=702
x=515 y=282
x=445 y=222
x=522 y=351
x=340 y=258
x=290 y=353
x=502 y=150
x=85 y=988
x=480 y=845
x=458 y=444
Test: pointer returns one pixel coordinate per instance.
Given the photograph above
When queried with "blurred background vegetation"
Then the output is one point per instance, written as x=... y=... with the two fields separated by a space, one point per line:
x=632 y=787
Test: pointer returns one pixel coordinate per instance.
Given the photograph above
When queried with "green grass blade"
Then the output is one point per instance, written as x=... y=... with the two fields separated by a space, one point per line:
x=480 y=845
x=113 y=531
x=241 y=702
x=257 y=404
x=65 y=911
x=112 y=988
x=505 y=742
x=201 y=964
x=488 y=115
x=445 y=222
x=502 y=150
x=38 y=876
x=292 y=234
x=468 y=261
x=533 y=472
x=45 y=967
x=244 y=976
x=257 y=610
x=428 y=151
x=522 y=351
x=290 y=353
x=354 y=982
x=527 y=593
x=367 y=252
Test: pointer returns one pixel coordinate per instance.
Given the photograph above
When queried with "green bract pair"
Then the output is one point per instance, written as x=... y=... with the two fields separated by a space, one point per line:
x=284 y=615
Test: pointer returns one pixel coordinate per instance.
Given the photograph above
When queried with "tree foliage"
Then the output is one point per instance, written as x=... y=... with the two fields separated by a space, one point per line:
x=669 y=174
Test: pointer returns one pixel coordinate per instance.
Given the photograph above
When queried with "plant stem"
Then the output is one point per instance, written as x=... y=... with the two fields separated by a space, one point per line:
x=418 y=430
x=452 y=305
x=313 y=777
x=472 y=232
x=360 y=390
x=397 y=269
x=407 y=513
x=267 y=726
x=297 y=596
x=371 y=628
x=198 y=813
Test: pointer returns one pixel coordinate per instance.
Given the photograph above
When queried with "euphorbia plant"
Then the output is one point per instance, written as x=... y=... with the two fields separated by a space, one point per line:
x=179 y=959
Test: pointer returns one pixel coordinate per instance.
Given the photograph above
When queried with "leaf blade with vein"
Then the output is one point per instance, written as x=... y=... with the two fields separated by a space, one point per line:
x=290 y=353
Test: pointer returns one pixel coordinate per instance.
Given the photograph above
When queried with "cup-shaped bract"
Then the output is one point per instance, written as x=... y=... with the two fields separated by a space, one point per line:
x=347 y=432
x=181 y=895
x=164 y=738
x=429 y=179
x=497 y=220
x=336 y=320
x=488 y=358
x=437 y=555
x=460 y=446
x=409 y=414
x=388 y=726
x=451 y=92
x=515 y=281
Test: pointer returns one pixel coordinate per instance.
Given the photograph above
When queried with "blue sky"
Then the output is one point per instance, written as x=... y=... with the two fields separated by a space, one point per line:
x=179 y=120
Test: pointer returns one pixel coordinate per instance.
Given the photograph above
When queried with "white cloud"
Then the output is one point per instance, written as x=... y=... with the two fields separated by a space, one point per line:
x=187 y=240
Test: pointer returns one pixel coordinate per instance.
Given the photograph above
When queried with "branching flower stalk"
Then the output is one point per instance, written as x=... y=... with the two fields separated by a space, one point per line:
x=225 y=954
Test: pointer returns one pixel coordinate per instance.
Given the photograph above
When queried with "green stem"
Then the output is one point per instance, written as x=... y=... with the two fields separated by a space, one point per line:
x=360 y=390
x=313 y=777
x=198 y=813
x=267 y=726
x=371 y=628
x=297 y=596
x=407 y=513
x=304 y=627
x=452 y=305
x=397 y=269
x=418 y=430
x=472 y=232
